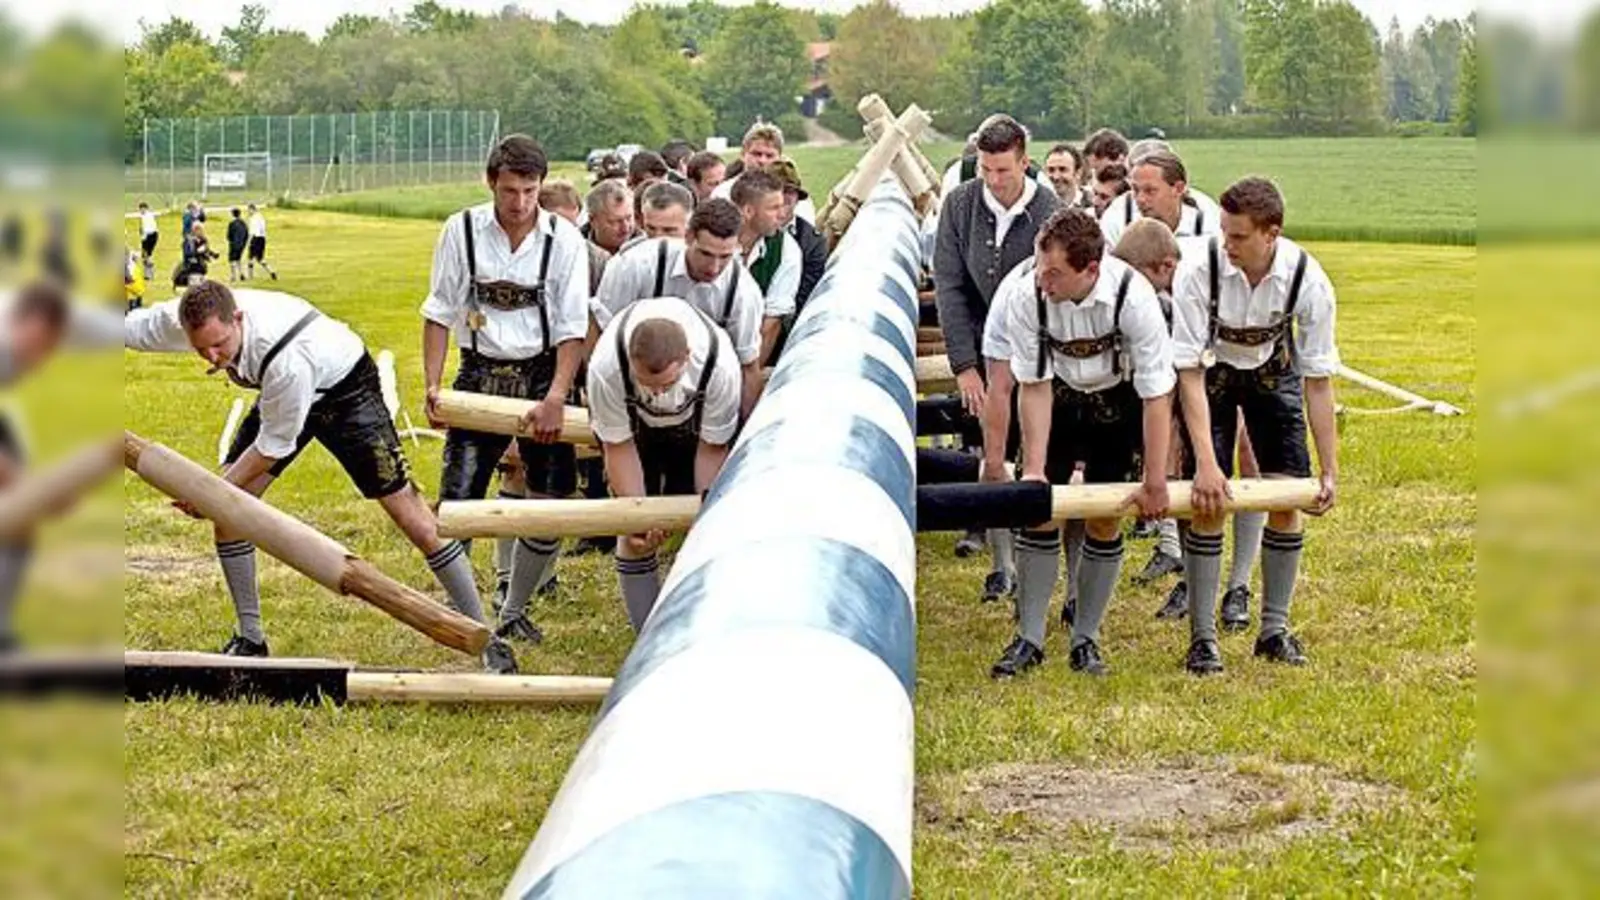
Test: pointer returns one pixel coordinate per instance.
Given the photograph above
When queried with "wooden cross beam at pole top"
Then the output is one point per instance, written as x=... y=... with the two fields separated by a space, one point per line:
x=303 y=548
x=996 y=505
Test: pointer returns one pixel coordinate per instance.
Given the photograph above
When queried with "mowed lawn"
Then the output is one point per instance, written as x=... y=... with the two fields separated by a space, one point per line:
x=1394 y=190
x=1366 y=755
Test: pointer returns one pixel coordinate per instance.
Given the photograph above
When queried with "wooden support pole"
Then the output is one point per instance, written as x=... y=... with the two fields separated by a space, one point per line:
x=916 y=177
x=840 y=210
x=476 y=688
x=1412 y=401
x=37 y=496
x=934 y=375
x=872 y=108
x=503 y=415
x=590 y=518
x=301 y=547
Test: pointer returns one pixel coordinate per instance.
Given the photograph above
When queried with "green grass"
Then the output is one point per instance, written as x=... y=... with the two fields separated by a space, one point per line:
x=253 y=801
x=1389 y=190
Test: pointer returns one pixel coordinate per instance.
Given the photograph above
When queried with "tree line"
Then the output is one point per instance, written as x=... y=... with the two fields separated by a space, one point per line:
x=1190 y=67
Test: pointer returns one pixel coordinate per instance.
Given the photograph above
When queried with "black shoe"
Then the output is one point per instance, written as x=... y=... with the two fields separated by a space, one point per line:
x=1236 y=608
x=1069 y=611
x=498 y=658
x=274 y=275
x=520 y=629
x=970 y=544
x=498 y=602
x=1160 y=566
x=997 y=585
x=239 y=645
x=550 y=586
x=1281 y=647
x=1177 y=604
x=1021 y=656
x=1086 y=659
x=1144 y=529
x=594 y=545
x=1205 y=658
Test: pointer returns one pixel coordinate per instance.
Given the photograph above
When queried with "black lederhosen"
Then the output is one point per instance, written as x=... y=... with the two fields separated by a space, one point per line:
x=258 y=248
x=147 y=244
x=351 y=420
x=1104 y=430
x=470 y=457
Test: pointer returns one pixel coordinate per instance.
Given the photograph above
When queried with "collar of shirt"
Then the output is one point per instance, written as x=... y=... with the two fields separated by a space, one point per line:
x=486 y=223
x=756 y=252
x=1282 y=268
x=1029 y=188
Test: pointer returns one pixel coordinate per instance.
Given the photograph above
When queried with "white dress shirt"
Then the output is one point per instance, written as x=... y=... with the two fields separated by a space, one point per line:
x=1146 y=343
x=258 y=225
x=1018 y=283
x=1203 y=217
x=608 y=408
x=147 y=223
x=1241 y=306
x=780 y=296
x=317 y=359
x=513 y=334
x=631 y=276
x=1003 y=217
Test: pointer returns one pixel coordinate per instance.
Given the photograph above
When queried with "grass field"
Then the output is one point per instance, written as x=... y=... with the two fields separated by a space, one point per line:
x=1390 y=190
x=1353 y=776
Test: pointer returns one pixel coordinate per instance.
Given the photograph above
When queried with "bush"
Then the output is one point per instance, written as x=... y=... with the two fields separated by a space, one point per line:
x=794 y=127
x=842 y=119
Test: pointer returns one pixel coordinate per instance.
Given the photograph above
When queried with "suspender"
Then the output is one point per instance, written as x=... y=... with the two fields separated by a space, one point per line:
x=1252 y=336
x=631 y=396
x=273 y=351
x=661 y=268
x=473 y=287
x=727 y=302
x=1084 y=348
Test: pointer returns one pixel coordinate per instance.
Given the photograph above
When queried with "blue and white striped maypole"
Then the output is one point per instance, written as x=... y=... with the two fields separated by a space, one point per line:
x=758 y=739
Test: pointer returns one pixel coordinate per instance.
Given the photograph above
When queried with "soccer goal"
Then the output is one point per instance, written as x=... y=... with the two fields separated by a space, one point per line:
x=231 y=172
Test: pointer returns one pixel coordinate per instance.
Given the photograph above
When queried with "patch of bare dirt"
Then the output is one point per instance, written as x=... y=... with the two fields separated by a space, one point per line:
x=1157 y=808
x=153 y=562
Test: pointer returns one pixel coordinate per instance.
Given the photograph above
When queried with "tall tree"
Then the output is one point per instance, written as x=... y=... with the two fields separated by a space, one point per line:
x=1586 y=74
x=1034 y=62
x=1227 y=90
x=1469 y=89
x=158 y=39
x=880 y=50
x=1281 y=46
x=755 y=67
x=1347 y=65
x=1442 y=42
x=239 y=41
x=351 y=25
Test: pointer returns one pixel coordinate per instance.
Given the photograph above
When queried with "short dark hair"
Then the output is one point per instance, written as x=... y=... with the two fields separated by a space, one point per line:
x=645 y=164
x=1068 y=149
x=1257 y=198
x=1075 y=232
x=1001 y=134
x=699 y=163
x=519 y=155
x=656 y=344
x=718 y=217
x=236 y=212
x=45 y=299
x=755 y=184
x=143 y=205
x=1115 y=172
x=206 y=301
x=1107 y=143
x=1168 y=163
x=675 y=151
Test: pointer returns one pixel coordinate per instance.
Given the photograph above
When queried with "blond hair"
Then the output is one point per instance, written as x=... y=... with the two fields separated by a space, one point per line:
x=1146 y=244
x=763 y=131
x=558 y=193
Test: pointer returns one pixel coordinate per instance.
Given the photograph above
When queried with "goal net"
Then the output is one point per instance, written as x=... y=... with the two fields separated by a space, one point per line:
x=230 y=173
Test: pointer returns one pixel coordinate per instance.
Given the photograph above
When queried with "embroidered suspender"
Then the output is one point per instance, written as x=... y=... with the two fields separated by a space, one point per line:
x=1252 y=336
x=506 y=296
x=1084 y=348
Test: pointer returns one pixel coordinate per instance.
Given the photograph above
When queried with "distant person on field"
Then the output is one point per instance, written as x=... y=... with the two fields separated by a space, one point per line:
x=149 y=237
x=196 y=260
x=238 y=237
x=763 y=146
x=675 y=153
x=258 y=242
x=705 y=171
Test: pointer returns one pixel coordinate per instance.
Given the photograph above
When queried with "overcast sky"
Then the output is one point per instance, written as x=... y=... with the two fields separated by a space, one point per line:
x=312 y=16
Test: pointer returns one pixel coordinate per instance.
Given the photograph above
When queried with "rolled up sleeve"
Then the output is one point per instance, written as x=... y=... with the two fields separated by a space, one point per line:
x=720 y=420
x=286 y=397
x=1144 y=332
x=617 y=289
x=745 y=328
x=1315 y=315
x=569 y=301
x=155 y=329
x=608 y=408
x=447 y=289
x=1022 y=333
x=1191 y=314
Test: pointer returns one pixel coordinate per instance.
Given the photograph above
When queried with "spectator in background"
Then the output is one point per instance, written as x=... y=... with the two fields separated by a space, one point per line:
x=644 y=169
x=238 y=237
x=1064 y=166
x=762 y=146
x=558 y=195
x=675 y=153
x=664 y=210
x=149 y=236
x=813 y=246
x=258 y=243
x=610 y=208
x=1106 y=147
x=1110 y=183
x=706 y=172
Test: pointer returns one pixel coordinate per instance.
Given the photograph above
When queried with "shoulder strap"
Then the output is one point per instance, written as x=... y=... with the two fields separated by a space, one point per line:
x=549 y=245
x=969 y=168
x=1117 y=356
x=472 y=255
x=733 y=291
x=1215 y=301
x=1127 y=208
x=705 y=375
x=1044 y=329
x=1199 y=220
x=282 y=342
x=661 y=268
x=1294 y=285
x=630 y=398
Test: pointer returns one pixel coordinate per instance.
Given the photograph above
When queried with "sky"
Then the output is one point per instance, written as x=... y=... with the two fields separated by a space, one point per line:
x=312 y=16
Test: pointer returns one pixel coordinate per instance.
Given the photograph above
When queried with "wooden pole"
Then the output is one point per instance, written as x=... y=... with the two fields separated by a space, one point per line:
x=503 y=415
x=473 y=687
x=632 y=515
x=872 y=108
x=37 y=496
x=1412 y=401
x=920 y=185
x=932 y=348
x=841 y=208
x=303 y=548
x=934 y=375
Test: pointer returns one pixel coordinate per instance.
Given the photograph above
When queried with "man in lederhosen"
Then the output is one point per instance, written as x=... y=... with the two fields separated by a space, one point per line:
x=1094 y=359
x=664 y=389
x=511 y=283
x=1253 y=332
x=317 y=382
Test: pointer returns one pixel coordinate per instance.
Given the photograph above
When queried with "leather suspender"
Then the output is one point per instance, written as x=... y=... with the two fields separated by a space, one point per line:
x=472 y=280
x=1253 y=336
x=273 y=351
x=661 y=268
x=1083 y=348
x=631 y=396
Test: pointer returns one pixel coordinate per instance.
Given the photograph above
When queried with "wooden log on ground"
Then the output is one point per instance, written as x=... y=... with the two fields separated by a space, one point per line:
x=155 y=675
x=927 y=334
x=936 y=348
x=301 y=547
x=503 y=415
x=36 y=496
x=591 y=518
x=1412 y=401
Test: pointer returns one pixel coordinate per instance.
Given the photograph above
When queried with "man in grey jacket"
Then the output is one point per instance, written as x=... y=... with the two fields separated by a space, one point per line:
x=986 y=227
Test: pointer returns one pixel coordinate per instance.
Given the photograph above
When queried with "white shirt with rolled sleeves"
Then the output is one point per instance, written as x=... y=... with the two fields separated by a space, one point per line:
x=608 y=409
x=631 y=276
x=318 y=358
x=1146 y=343
x=258 y=225
x=515 y=334
x=147 y=223
x=1016 y=286
x=1240 y=306
x=1203 y=217
x=780 y=295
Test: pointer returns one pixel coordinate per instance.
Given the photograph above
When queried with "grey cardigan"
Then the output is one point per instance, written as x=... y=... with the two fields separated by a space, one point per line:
x=968 y=267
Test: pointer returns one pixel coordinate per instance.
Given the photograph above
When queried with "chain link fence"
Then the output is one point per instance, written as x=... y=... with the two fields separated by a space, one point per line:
x=239 y=159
